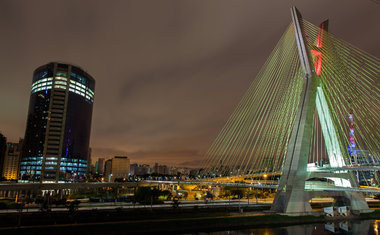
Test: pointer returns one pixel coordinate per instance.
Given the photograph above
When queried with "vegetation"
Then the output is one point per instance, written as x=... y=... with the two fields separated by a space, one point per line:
x=235 y=193
x=6 y=204
x=151 y=195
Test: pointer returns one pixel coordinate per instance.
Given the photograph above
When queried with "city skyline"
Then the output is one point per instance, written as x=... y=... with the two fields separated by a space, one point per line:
x=168 y=74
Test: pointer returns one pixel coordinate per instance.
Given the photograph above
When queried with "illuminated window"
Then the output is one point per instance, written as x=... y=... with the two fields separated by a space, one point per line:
x=60 y=82
x=60 y=87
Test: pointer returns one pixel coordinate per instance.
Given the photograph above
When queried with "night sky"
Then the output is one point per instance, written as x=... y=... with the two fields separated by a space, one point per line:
x=168 y=73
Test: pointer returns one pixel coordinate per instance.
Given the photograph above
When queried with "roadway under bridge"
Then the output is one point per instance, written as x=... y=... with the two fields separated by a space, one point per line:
x=13 y=189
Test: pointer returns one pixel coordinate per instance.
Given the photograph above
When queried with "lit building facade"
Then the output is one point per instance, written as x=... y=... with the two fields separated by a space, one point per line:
x=57 y=136
x=116 y=168
x=120 y=167
x=12 y=160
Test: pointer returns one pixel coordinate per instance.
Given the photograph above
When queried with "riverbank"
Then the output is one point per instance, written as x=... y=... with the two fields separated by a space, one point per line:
x=149 y=221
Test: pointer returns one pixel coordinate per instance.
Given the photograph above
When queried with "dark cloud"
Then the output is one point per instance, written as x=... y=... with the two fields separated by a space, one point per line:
x=168 y=73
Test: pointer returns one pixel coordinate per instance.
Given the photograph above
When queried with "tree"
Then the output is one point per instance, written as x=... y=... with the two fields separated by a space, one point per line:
x=233 y=192
x=147 y=195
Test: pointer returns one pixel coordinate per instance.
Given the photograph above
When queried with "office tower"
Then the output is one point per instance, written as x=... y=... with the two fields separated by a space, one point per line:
x=108 y=170
x=160 y=169
x=3 y=146
x=116 y=168
x=133 y=168
x=100 y=166
x=120 y=167
x=139 y=170
x=12 y=160
x=58 y=128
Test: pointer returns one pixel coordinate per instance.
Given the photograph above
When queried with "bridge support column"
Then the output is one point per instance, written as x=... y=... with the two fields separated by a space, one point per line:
x=291 y=197
x=292 y=203
x=358 y=202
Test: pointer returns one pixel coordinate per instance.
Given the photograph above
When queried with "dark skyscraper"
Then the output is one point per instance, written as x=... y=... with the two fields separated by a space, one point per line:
x=57 y=134
x=3 y=146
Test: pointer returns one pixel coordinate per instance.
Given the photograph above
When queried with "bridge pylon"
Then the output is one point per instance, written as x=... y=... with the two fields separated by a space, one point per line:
x=292 y=198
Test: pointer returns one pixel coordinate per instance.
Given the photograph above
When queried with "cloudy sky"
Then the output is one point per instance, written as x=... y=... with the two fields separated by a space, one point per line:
x=168 y=72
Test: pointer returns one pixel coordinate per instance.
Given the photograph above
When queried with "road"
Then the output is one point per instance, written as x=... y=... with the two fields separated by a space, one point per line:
x=169 y=204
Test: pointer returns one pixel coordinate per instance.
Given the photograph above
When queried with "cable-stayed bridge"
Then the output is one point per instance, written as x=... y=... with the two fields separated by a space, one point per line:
x=308 y=125
x=311 y=115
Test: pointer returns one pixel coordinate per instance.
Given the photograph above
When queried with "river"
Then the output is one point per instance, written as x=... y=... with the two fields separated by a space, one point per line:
x=362 y=227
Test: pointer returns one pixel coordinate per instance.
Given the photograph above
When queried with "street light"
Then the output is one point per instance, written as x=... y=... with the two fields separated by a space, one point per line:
x=109 y=178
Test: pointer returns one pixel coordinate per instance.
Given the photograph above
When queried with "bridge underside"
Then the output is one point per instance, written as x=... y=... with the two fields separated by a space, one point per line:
x=297 y=203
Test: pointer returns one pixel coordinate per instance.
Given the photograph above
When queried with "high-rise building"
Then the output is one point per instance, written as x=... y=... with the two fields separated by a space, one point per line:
x=12 y=160
x=160 y=169
x=116 y=168
x=58 y=128
x=120 y=167
x=140 y=170
x=108 y=170
x=3 y=147
x=100 y=166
